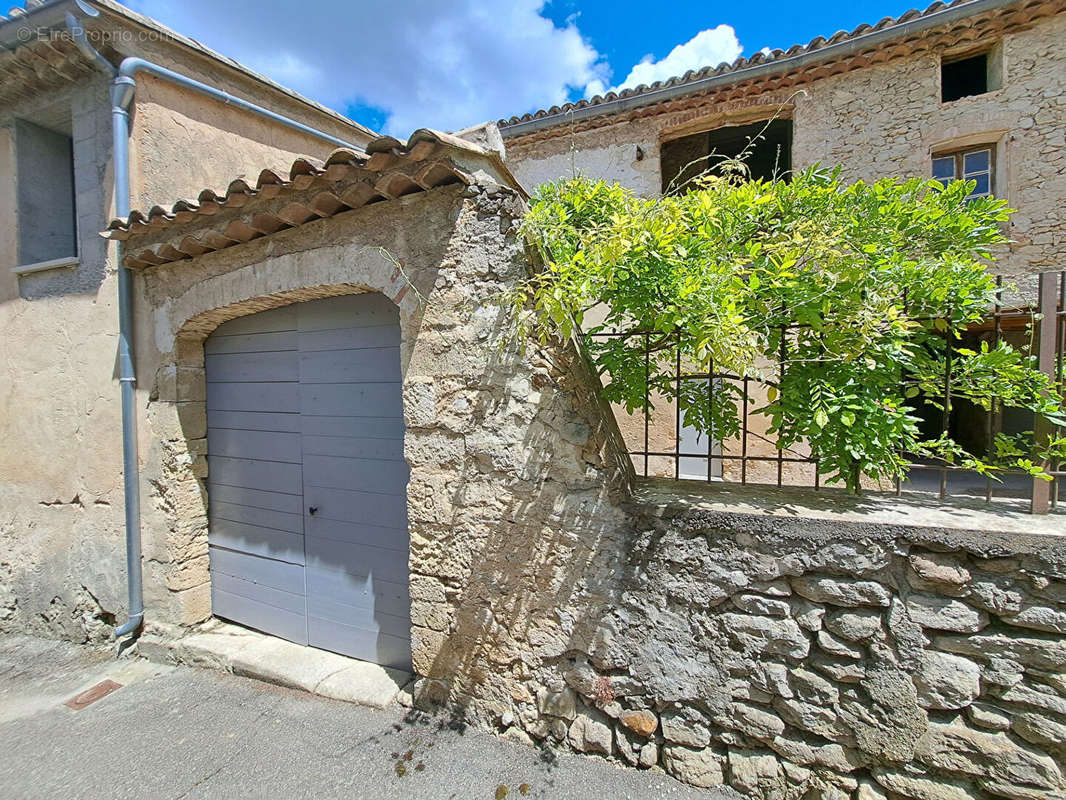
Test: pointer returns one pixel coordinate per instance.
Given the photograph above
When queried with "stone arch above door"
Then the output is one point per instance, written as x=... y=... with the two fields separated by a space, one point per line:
x=516 y=465
x=176 y=524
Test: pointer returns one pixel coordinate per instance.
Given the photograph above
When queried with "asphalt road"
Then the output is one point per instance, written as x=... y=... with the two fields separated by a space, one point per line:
x=179 y=732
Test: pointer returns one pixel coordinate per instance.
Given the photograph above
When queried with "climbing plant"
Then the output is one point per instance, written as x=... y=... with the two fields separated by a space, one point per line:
x=848 y=300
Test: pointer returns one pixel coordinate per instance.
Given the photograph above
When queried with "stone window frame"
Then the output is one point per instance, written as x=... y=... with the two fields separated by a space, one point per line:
x=745 y=115
x=958 y=155
x=996 y=77
x=989 y=133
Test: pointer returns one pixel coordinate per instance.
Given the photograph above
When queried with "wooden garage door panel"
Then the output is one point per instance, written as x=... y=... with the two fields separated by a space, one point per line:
x=305 y=410
x=352 y=427
x=369 y=474
x=350 y=311
x=276 y=319
x=386 y=510
x=269 y=619
x=260 y=593
x=278 y=575
x=356 y=532
x=333 y=595
x=259 y=445
x=346 y=366
x=256 y=515
x=353 y=447
x=381 y=648
x=350 y=338
x=272 y=476
x=368 y=619
x=251 y=343
x=253 y=397
x=278 y=421
x=356 y=561
x=275 y=501
x=252 y=367
x=350 y=399
x=257 y=540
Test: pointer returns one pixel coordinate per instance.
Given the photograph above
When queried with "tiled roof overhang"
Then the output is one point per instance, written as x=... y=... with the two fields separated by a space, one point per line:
x=311 y=190
x=939 y=26
x=37 y=33
x=32 y=59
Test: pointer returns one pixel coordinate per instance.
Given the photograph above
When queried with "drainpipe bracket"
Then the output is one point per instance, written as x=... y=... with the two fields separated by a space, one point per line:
x=122 y=89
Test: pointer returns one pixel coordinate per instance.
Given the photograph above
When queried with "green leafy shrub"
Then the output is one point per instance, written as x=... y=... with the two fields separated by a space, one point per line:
x=842 y=298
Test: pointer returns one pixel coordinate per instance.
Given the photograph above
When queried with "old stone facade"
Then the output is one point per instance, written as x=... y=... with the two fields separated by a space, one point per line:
x=859 y=649
x=62 y=569
x=875 y=111
x=497 y=440
x=854 y=649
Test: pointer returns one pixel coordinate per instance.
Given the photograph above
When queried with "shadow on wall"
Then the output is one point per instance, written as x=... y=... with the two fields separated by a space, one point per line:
x=517 y=543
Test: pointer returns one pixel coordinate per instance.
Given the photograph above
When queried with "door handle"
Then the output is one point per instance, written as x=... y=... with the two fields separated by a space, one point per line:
x=312 y=510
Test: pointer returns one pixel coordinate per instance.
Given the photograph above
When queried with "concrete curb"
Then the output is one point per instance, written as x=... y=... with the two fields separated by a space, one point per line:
x=240 y=651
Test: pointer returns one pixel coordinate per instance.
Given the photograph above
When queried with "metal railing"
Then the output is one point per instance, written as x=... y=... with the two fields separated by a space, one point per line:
x=662 y=446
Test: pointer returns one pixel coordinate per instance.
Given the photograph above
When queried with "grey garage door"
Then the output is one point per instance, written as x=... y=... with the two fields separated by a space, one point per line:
x=307 y=482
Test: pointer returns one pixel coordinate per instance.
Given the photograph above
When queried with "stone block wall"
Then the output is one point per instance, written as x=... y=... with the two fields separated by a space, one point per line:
x=797 y=658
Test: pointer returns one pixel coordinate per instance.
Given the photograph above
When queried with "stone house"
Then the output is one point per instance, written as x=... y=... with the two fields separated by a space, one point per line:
x=965 y=89
x=342 y=444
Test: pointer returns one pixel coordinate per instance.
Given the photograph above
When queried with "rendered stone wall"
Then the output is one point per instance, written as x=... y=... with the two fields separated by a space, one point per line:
x=876 y=121
x=62 y=552
x=804 y=658
x=510 y=452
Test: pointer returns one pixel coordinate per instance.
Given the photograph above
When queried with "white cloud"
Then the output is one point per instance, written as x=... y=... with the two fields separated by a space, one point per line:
x=708 y=48
x=424 y=62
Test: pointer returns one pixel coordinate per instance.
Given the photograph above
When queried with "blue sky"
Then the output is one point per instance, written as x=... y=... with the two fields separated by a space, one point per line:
x=448 y=65
x=625 y=32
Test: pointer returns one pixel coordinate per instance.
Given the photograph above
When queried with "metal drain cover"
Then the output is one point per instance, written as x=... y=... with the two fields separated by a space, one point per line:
x=90 y=696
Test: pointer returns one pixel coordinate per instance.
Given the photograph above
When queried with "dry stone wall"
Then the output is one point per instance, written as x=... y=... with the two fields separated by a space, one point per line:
x=805 y=660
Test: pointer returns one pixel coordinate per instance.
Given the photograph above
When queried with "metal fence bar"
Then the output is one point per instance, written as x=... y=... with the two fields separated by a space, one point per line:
x=1048 y=309
x=1060 y=375
x=781 y=393
x=647 y=416
x=677 y=410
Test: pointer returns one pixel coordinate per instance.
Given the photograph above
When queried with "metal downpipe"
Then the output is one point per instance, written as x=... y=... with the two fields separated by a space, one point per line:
x=121 y=92
x=122 y=89
x=121 y=97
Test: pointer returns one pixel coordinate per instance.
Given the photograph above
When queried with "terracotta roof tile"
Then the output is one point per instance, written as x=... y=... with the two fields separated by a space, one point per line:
x=818 y=43
x=312 y=190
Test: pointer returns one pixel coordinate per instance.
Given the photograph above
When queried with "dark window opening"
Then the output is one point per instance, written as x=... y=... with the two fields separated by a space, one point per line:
x=963 y=78
x=766 y=147
x=44 y=174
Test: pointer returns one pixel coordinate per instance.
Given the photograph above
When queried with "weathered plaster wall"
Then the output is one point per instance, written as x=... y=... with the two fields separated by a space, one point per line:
x=62 y=571
x=62 y=557
x=609 y=153
x=183 y=142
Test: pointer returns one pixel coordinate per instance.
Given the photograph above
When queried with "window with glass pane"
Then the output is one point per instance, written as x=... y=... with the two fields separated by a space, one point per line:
x=971 y=165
